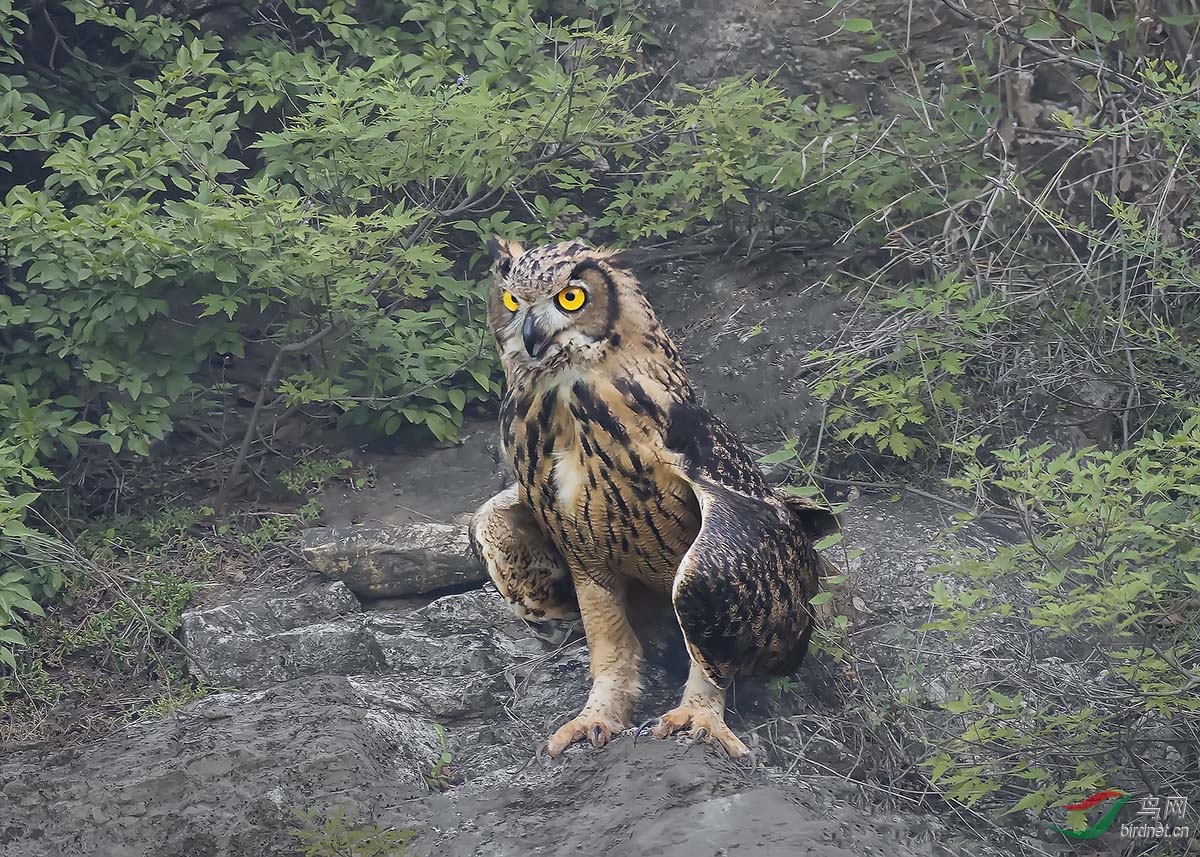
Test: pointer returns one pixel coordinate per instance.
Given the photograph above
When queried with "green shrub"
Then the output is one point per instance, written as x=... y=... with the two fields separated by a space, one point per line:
x=108 y=634
x=309 y=474
x=1095 y=652
x=20 y=586
x=1057 y=293
x=340 y=834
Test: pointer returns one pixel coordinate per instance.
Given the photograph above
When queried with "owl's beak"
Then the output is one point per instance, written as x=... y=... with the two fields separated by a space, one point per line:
x=536 y=340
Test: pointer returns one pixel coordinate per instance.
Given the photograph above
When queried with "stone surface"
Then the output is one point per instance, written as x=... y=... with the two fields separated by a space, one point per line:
x=227 y=776
x=224 y=776
x=505 y=685
x=255 y=638
x=236 y=775
x=803 y=44
x=664 y=799
x=393 y=561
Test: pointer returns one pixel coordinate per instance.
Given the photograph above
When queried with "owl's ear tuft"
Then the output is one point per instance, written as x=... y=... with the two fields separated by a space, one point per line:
x=503 y=253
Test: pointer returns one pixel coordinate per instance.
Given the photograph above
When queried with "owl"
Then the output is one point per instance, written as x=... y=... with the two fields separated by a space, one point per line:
x=622 y=476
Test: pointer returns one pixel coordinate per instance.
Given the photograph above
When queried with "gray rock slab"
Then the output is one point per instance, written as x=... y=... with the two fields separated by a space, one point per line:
x=394 y=561
x=256 y=639
x=224 y=776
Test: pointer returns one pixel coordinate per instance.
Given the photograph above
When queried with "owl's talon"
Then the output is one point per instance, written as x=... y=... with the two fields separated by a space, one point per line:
x=706 y=726
x=594 y=728
x=653 y=721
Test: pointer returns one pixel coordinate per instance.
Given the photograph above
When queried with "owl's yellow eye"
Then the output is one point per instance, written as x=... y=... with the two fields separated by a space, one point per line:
x=572 y=298
x=510 y=302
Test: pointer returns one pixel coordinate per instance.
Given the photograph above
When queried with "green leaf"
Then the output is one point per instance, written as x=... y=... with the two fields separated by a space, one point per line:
x=1046 y=28
x=8 y=635
x=785 y=453
x=801 y=490
x=826 y=542
x=879 y=56
x=1036 y=801
x=858 y=25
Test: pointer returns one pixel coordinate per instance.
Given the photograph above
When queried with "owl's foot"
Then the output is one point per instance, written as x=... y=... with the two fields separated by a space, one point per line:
x=704 y=724
x=588 y=726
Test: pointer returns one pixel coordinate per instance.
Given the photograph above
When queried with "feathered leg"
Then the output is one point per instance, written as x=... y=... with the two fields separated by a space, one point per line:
x=525 y=567
x=702 y=712
x=615 y=655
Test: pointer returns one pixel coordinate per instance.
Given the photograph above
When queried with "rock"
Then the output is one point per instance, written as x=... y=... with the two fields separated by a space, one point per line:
x=225 y=776
x=460 y=693
x=256 y=639
x=236 y=775
x=472 y=663
x=802 y=46
x=662 y=798
x=392 y=561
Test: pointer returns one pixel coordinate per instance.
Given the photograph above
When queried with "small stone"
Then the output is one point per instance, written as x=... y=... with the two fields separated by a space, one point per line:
x=391 y=561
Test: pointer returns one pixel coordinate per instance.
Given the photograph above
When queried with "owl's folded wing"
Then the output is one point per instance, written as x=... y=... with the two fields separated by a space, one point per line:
x=741 y=591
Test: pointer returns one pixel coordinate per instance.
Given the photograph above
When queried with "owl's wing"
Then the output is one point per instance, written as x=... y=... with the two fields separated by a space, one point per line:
x=526 y=568
x=742 y=589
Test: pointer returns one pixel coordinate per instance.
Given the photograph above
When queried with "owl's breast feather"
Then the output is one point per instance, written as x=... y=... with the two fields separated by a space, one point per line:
x=570 y=479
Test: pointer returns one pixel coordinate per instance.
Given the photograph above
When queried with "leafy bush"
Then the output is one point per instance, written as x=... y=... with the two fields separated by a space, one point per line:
x=310 y=474
x=1062 y=293
x=121 y=586
x=341 y=834
x=1055 y=293
x=108 y=636
x=1096 y=649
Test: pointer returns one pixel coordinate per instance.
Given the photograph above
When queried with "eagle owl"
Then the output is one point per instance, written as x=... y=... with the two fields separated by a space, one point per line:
x=621 y=476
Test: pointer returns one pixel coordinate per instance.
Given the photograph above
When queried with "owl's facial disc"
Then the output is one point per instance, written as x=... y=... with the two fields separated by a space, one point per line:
x=551 y=307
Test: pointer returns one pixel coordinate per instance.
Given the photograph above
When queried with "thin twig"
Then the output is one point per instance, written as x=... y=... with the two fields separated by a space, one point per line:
x=252 y=426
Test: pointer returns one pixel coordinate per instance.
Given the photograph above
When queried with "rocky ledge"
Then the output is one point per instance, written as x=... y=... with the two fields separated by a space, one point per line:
x=428 y=720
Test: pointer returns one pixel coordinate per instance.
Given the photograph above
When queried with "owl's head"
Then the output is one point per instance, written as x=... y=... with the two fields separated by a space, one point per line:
x=560 y=305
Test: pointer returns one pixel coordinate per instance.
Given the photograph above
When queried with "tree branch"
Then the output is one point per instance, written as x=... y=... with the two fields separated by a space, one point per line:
x=252 y=426
x=1004 y=31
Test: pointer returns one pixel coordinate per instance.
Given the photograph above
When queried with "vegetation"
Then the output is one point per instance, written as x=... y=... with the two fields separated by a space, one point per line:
x=340 y=834
x=105 y=642
x=1034 y=340
x=1092 y=618
x=291 y=218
